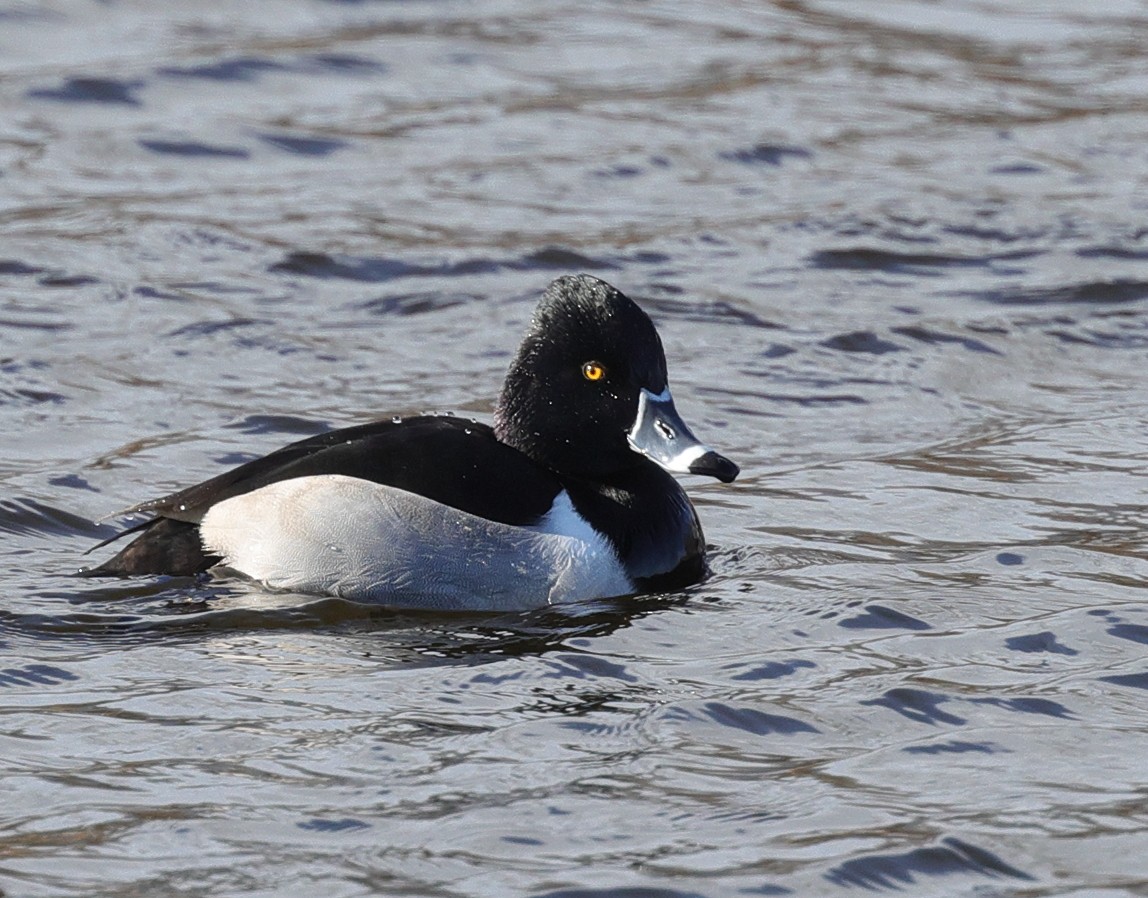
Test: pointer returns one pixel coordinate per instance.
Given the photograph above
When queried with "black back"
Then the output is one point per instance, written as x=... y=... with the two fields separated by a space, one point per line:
x=451 y=460
x=454 y=461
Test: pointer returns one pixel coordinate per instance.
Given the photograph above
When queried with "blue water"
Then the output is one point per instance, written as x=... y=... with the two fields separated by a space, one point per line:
x=898 y=256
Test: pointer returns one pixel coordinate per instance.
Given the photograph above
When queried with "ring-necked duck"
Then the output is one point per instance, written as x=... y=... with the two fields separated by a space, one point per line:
x=566 y=498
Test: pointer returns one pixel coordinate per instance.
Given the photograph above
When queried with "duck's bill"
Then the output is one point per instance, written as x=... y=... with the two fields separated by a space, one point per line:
x=661 y=435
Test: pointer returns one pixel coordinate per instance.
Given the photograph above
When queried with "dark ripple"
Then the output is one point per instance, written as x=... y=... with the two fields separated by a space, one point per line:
x=1000 y=235
x=220 y=288
x=416 y=303
x=924 y=335
x=372 y=270
x=581 y=666
x=918 y=705
x=750 y=720
x=561 y=259
x=862 y=341
x=247 y=69
x=1133 y=632
x=1017 y=168
x=716 y=310
x=1135 y=681
x=891 y=871
x=342 y=824
x=207 y=328
x=67 y=280
x=30 y=396
x=953 y=747
x=1045 y=641
x=890 y=262
x=13 y=266
x=1126 y=335
x=1042 y=706
x=381 y=270
x=38 y=325
x=773 y=670
x=879 y=617
x=1093 y=293
x=346 y=62
x=91 y=90
x=9 y=365
x=156 y=293
x=192 y=148
x=35 y=675
x=766 y=154
x=234 y=459
x=243 y=68
x=924 y=707
x=72 y=481
x=304 y=146
x=1112 y=252
x=624 y=892
x=31 y=516
x=290 y=424
x=618 y=171
x=805 y=401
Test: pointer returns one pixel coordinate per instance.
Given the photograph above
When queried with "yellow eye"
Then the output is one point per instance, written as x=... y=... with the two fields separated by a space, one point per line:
x=593 y=371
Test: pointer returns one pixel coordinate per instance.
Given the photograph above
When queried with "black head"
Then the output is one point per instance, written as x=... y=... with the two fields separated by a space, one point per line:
x=574 y=392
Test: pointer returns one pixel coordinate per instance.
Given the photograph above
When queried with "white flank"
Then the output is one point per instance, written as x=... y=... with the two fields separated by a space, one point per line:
x=336 y=535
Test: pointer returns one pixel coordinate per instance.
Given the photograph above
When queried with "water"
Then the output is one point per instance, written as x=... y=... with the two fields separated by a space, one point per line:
x=897 y=252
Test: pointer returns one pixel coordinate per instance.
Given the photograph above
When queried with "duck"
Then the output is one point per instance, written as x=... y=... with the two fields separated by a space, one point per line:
x=568 y=496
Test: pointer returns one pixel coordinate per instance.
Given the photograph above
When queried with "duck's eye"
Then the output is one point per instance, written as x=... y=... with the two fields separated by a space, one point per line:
x=593 y=371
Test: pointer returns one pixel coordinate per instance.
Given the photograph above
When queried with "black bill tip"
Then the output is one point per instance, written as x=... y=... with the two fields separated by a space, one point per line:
x=713 y=465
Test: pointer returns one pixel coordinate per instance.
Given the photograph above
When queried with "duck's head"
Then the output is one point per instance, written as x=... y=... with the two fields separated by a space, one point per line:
x=587 y=392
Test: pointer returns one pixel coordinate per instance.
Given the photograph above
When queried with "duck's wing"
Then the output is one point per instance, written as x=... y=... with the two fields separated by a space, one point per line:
x=453 y=461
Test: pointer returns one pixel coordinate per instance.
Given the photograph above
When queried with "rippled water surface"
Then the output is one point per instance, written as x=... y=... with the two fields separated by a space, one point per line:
x=898 y=253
